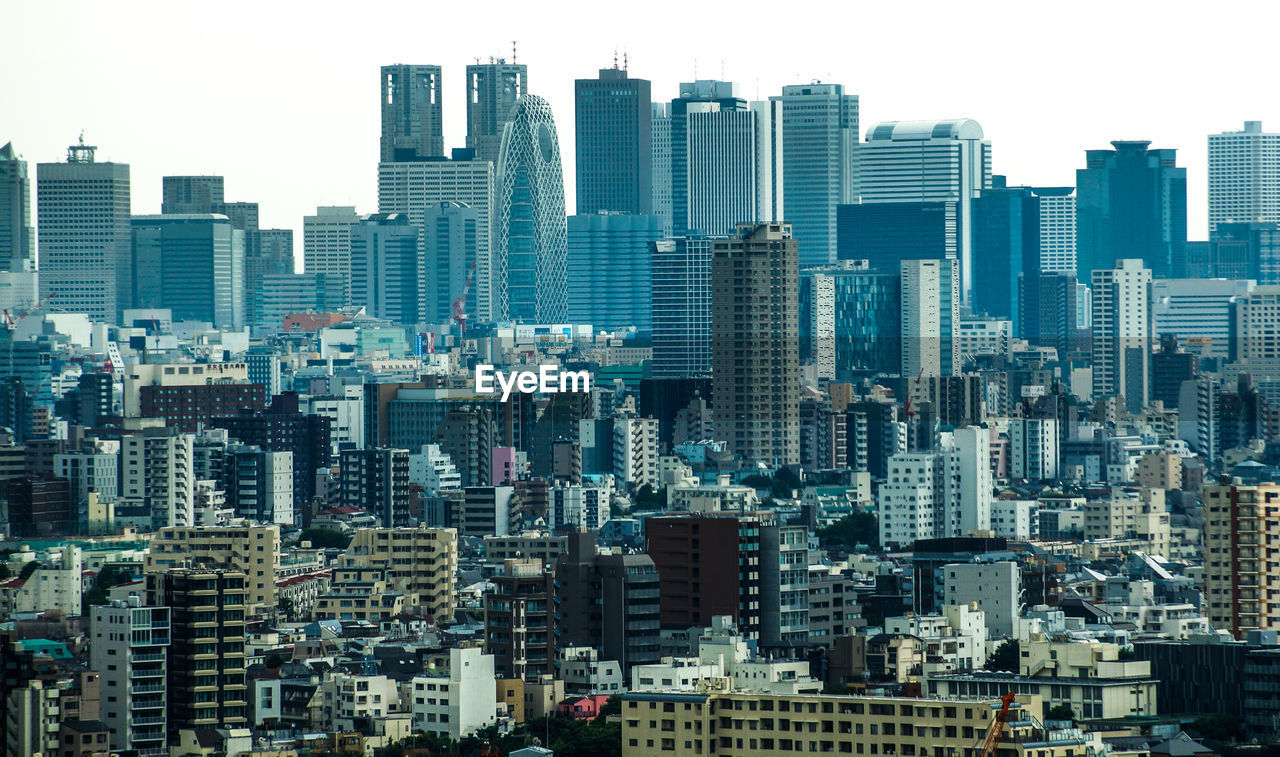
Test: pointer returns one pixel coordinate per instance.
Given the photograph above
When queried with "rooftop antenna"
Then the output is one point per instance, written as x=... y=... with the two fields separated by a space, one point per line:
x=624 y=60
x=513 y=52
x=722 y=69
x=615 y=59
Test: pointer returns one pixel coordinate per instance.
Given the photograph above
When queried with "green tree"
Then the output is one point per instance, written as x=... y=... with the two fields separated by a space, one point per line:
x=613 y=706
x=1007 y=657
x=325 y=538
x=28 y=569
x=854 y=528
x=109 y=577
x=1060 y=712
x=1225 y=728
x=648 y=498
x=758 y=481
x=785 y=481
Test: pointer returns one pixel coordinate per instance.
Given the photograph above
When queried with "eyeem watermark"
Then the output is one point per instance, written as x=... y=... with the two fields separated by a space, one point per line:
x=548 y=379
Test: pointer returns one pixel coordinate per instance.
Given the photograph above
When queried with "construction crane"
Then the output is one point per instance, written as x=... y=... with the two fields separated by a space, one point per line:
x=460 y=304
x=11 y=324
x=997 y=727
x=906 y=405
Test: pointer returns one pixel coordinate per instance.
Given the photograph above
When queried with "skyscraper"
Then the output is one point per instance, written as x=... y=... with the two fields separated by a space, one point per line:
x=930 y=314
x=1122 y=333
x=412 y=124
x=613 y=145
x=1057 y=229
x=418 y=188
x=610 y=269
x=681 y=286
x=1244 y=176
x=929 y=161
x=191 y=194
x=451 y=235
x=326 y=242
x=85 y=240
x=1131 y=202
x=755 y=343
x=384 y=267
x=17 y=238
x=886 y=233
x=660 y=138
x=532 y=231
x=1006 y=246
x=191 y=263
x=819 y=144
x=862 y=309
x=492 y=91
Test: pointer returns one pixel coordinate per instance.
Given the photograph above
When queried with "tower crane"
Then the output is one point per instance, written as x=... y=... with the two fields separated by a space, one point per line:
x=460 y=304
x=997 y=727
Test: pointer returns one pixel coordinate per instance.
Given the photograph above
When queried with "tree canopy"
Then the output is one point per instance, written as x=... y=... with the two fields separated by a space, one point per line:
x=855 y=528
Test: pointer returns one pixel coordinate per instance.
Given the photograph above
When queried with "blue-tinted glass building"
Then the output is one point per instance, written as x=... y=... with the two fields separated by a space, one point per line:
x=1131 y=202
x=610 y=269
x=886 y=233
x=1006 y=244
x=866 y=314
x=614 y=166
x=192 y=264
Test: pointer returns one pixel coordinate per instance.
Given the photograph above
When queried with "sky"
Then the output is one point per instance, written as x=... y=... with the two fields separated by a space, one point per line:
x=281 y=98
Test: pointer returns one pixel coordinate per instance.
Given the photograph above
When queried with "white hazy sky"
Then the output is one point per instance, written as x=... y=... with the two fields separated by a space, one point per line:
x=282 y=97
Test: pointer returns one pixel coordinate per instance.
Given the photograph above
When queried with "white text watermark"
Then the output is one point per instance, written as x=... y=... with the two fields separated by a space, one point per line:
x=548 y=379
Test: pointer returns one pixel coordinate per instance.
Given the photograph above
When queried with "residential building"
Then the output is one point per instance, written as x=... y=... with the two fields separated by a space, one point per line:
x=1033 y=449
x=459 y=701
x=376 y=479
x=945 y=493
x=1122 y=333
x=1237 y=569
x=157 y=478
x=635 y=451
x=756 y=379
x=1244 y=176
x=282 y=427
x=419 y=563
x=129 y=648
x=995 y=588
x=253 y=550
x=520 y=620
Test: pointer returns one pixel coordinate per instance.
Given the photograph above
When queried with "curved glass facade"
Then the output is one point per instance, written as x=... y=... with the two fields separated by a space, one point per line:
x=532 y=231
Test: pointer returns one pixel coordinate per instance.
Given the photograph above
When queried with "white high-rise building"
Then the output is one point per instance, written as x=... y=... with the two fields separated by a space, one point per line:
x=1033 y=449
x=930 y=309
x=635 y=451
x=157 y=479
x=326 y=243
x=457 y=703
x=1257 y=324
x=434 y=471
x=819 y=126
x=1122 y=333
x=822 y=325
x=938 y=494
x=1244 y=176
x=583 y=505
x=417 y=189
x=929 y=161
x=85 y=237
x=1057 y=229
x=129 y=647
x=731 y=164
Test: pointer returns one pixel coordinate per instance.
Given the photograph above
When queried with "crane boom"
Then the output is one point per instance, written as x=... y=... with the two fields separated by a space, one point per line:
x=997 y=727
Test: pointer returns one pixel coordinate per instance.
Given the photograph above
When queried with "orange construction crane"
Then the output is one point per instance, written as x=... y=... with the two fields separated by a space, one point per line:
x=997 y=727
x=460 y=306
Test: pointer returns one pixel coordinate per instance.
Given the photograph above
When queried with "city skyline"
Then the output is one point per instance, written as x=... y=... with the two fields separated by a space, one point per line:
x=1036 y=141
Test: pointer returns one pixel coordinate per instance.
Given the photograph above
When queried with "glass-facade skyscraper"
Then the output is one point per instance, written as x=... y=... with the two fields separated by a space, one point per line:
x=17 y=238
x=819 y=169
x=613 y=146
x=610 y=269
x=681 y=285
x=1131 y=202
x=191 y=263
x=863 y=318
x=532 y=231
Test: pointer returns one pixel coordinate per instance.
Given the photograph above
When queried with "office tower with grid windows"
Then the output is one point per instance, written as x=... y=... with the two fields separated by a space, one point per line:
x=492 y=91
x=412 y=121
x=1244 y=176
x=613 y=145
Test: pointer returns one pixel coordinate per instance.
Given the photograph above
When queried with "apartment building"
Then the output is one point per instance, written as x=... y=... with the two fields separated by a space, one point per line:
x=253 y=550
x=419 y=562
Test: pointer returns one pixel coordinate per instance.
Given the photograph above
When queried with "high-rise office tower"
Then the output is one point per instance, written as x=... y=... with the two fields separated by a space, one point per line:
x=613 y=146
x=681 y=285
x=862 y=310
x=492 y=91
x=1048 y=310
x=326 y=242
x=1122 y=332
x=1131 y=202
x=17 y=238
x=191 y=194
x=660 y=140
x=384 y=267
x=84 y=234
x=531 y=229
x=451 y=237
x=417 y=188
x=206 y=662
x=412 y=124
x=755 y=343
x=1006 y=246
x=1244 y=176
x=929 y=161
x=610 y=269
x=930 y=316
x=819 y=169
x=1057 y=229
x=129 y=648
x=192 y=264
x=886 y=233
